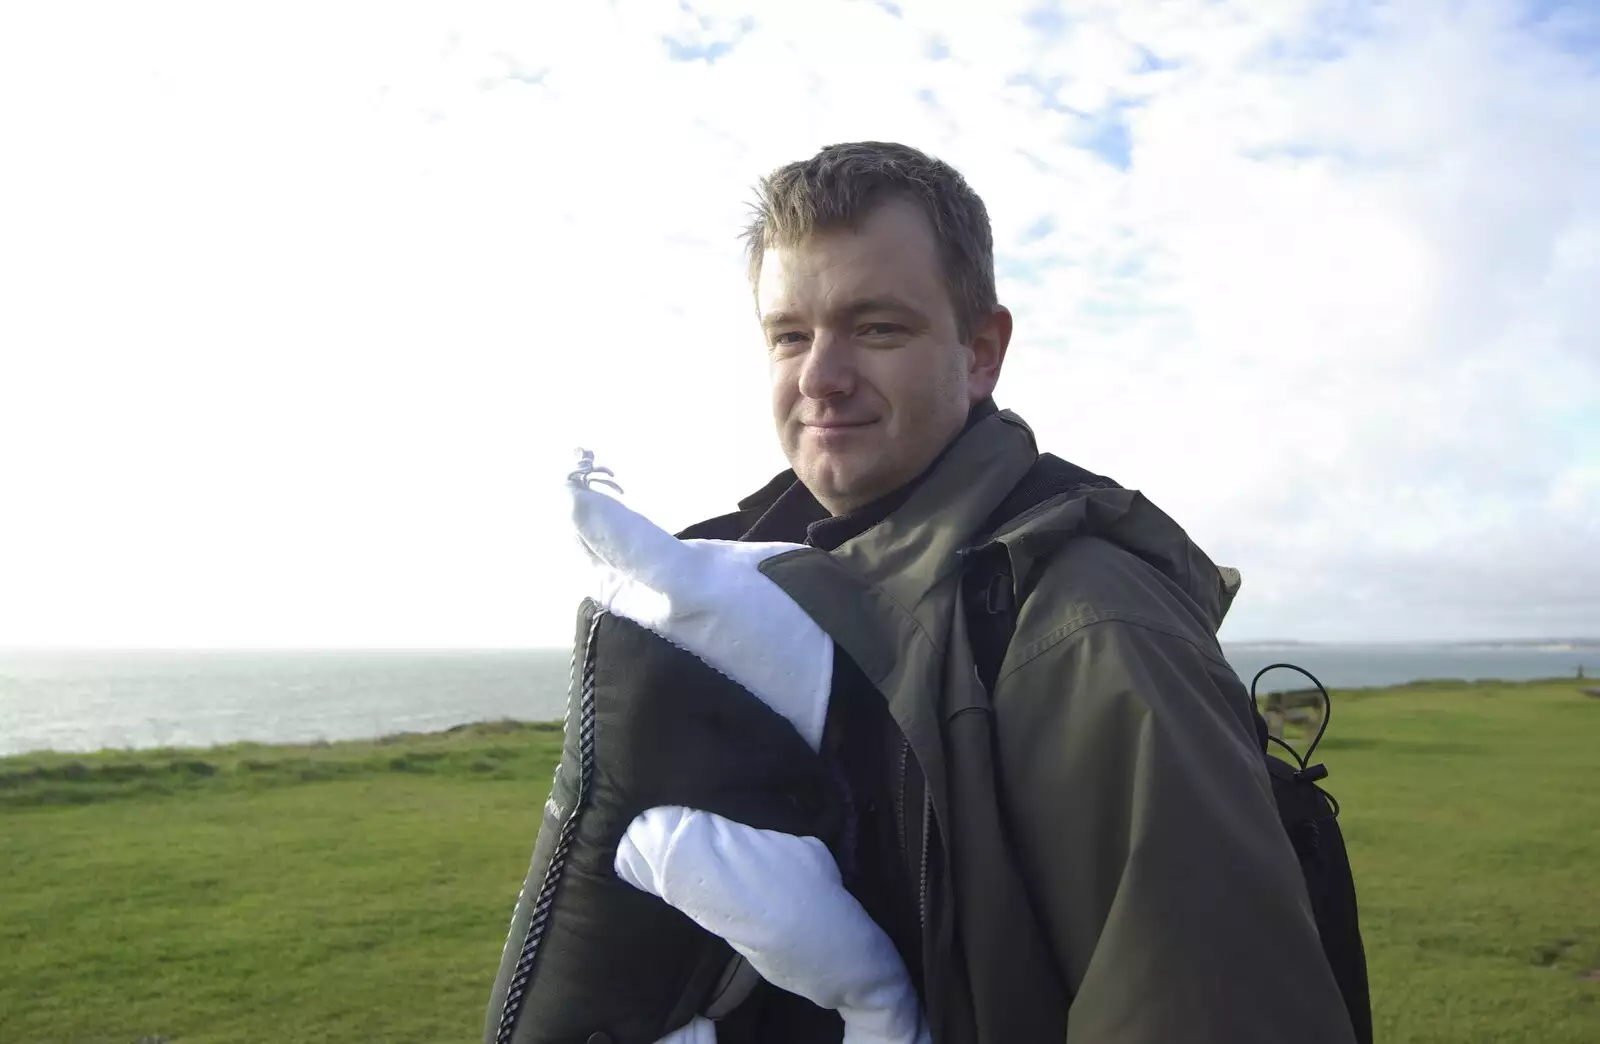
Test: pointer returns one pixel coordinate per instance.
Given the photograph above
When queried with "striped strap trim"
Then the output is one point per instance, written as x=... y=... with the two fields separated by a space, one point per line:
x=546 y=895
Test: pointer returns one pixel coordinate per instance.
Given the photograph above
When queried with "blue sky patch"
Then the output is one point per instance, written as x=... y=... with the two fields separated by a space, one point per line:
x=1574 y=28
x=1150 y=62
x=1039 y=229
x=1335 y=30
x=679 y=51
x=533 y=77
x=1109 y=139
x=711 y=49
x=1045 y=89
x=1105 y=133
x=1008 y=269
x=1046 y=19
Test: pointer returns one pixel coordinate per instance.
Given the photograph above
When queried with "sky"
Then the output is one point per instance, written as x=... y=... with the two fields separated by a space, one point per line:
x=304 y=306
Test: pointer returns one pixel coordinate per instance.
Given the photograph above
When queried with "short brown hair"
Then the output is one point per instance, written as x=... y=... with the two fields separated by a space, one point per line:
x=839 y=186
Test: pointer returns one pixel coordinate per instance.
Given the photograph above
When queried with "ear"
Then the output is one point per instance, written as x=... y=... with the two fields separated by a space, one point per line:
x=990 y=338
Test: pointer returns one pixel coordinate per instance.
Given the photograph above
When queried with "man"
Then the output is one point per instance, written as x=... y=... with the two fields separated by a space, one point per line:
x=1085 y=848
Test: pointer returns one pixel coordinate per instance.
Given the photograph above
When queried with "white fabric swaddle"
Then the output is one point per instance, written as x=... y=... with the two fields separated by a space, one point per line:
x=777 y=899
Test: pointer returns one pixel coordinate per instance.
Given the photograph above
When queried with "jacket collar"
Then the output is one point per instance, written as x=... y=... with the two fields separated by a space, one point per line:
x=917 y=546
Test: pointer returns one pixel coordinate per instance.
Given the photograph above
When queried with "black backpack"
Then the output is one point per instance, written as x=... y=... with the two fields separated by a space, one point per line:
x=1309 y=814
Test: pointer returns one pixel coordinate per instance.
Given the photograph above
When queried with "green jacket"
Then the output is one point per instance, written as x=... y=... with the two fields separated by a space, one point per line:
x=1105 y=861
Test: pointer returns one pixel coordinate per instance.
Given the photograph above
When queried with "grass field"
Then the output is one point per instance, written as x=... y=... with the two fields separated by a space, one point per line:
x=361 y=891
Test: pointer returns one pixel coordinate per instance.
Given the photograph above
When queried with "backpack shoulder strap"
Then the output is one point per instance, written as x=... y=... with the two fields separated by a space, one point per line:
x=987 y=594
x=1048 y=476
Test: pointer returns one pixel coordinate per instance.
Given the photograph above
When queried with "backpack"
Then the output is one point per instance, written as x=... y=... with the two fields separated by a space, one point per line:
x=1308 y=813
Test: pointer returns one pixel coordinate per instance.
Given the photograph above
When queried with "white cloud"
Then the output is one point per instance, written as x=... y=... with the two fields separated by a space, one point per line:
x=305 y=306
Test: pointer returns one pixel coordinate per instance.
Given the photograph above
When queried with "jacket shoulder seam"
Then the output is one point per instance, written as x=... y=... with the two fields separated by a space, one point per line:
x=1082 y=622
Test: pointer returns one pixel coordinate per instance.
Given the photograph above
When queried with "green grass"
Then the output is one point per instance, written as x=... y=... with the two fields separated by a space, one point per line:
x=1472 y=814
x=341 y=892
x=361 y=891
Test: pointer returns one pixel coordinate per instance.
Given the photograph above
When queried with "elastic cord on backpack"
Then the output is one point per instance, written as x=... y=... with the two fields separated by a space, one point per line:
x=1308 y=772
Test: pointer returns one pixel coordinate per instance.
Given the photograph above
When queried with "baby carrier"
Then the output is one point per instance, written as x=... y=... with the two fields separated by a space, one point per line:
x=686 y=844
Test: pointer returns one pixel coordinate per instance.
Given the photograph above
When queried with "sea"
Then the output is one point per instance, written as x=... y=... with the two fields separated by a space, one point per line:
x=93 y=700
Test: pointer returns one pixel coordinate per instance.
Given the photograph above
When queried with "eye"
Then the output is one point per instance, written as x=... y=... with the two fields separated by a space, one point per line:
x=881 y=329
x=788 y=337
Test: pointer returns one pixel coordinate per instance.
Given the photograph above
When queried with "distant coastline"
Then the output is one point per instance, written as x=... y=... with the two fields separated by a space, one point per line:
x=159 y=698
x=1554 y=645
x=46 y=652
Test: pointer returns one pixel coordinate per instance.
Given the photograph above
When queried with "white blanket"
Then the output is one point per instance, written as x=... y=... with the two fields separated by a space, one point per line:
x=776 y=899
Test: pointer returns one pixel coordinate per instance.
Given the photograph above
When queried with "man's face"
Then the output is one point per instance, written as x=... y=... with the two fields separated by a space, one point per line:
x=870 y=380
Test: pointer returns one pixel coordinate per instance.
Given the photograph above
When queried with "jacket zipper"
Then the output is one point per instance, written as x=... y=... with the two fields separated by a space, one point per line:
x=922 y=888
x=900 y=801
x=901 y=815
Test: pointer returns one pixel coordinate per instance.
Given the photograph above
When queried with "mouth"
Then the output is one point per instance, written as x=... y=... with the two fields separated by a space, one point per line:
x=834 y=436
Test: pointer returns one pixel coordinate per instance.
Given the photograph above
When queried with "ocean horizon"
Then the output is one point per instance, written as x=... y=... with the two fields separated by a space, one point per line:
x=94 y=699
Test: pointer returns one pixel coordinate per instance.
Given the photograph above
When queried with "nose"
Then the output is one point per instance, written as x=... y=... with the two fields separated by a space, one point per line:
x=829 y=370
